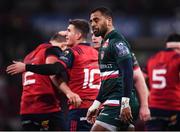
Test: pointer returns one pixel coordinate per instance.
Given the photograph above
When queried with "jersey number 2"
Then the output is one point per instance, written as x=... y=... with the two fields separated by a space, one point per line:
x=28 y=81
x=158 y=75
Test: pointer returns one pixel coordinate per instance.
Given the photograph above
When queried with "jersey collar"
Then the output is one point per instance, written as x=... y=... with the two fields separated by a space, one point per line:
x=87 y=44
x=112 y=33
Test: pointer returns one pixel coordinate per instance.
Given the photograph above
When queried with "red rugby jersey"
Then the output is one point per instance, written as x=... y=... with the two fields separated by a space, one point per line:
x=84 y=72
x=163 y=72
x=38 y=94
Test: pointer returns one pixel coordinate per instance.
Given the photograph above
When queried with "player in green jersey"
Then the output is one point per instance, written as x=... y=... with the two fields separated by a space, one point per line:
x=139 y=95
x=115 y=62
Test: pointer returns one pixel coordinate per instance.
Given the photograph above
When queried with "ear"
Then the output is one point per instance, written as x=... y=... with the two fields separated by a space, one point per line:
x=109 y=21
x=78 y=35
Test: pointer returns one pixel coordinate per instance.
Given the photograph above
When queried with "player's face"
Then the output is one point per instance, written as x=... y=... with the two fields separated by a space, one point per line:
x=71 y=36
x=96 y=41
x=98 y=23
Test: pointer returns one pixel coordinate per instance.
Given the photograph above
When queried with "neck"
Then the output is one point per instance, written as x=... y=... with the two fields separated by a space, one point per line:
x=108 y=31
x=80 y=41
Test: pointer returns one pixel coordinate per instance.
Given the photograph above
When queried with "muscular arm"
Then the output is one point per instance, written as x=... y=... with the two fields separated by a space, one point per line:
x=141 y=87
x=62 y=85
x=142 y=91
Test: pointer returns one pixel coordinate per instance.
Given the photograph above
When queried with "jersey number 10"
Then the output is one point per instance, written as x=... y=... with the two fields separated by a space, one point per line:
x=89 y=77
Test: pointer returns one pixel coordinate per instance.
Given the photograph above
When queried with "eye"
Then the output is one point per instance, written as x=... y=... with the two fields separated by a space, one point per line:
x=96 y=20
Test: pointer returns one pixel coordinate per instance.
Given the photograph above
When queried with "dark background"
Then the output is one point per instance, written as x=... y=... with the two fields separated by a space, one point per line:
x=26 y=23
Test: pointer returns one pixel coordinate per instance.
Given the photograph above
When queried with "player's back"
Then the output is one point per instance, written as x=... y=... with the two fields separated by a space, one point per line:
x=85 y=74
x=163 y=71
x=38 y=92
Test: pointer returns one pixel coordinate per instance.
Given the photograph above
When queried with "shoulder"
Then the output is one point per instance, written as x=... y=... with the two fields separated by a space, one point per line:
x=53 y=50
x=135 y=61
x=119 y=41
x=121 y=48
x=67 y=54
x=67 y=57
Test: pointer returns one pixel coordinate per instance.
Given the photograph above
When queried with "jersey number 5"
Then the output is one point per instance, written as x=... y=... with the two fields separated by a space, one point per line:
x=89 y=77
x=158 y=75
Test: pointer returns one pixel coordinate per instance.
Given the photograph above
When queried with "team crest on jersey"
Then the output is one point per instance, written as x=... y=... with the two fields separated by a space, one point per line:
x=122 y=49
x=106 y=43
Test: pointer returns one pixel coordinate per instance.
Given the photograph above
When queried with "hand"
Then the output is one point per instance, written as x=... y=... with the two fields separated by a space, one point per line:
x=93 y=112
x=74 y=99
x=17 y=67
x=126 y=115
x=144 y=113
x=63 y=33
x=92 y=115
x=125 y=111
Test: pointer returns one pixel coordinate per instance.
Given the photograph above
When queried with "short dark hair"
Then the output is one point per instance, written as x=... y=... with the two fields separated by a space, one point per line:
x=173 y=38
x=81 y=25
x=57 y=37
x=104 y=10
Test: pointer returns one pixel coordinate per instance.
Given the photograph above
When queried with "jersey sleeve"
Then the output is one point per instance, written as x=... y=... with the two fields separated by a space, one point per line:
x=135 y=62
x=120 y=51
x=100 y=95
x=67 y=57
x=124 y=62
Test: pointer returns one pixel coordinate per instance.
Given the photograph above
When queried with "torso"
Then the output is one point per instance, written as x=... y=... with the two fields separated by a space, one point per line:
x=38 y=92
x=163 y=71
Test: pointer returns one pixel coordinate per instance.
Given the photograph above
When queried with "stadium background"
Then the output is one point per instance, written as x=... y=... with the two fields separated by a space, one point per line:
x=26 y=23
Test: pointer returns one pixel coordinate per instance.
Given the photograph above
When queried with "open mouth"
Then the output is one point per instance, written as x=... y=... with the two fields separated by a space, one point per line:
x=95 y=29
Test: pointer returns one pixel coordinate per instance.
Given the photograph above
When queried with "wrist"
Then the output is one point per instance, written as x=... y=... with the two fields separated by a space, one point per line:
x=144 y=105
x=96 y=104
x=27 y=67
x=124 y=102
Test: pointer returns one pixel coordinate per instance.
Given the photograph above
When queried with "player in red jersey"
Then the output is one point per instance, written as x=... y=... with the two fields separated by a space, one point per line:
x=40 y=109
x=163 y=71
x=81 y=63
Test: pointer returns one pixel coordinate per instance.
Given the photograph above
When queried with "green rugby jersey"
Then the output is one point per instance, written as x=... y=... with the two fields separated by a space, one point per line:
x=114 y=48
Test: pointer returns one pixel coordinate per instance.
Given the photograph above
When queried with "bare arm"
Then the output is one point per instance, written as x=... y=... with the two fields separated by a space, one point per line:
x=143 y=93
x=62 y=86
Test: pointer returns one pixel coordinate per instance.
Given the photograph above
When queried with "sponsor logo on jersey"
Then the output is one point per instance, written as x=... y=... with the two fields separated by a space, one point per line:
x=102 y=66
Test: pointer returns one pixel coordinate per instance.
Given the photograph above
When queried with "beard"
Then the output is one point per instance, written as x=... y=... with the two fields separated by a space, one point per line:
x=100 y=31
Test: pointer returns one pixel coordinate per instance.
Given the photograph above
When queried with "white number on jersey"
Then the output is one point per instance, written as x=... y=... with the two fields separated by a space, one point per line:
x=89 y=78
x=28 y=81
x=158 y=75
